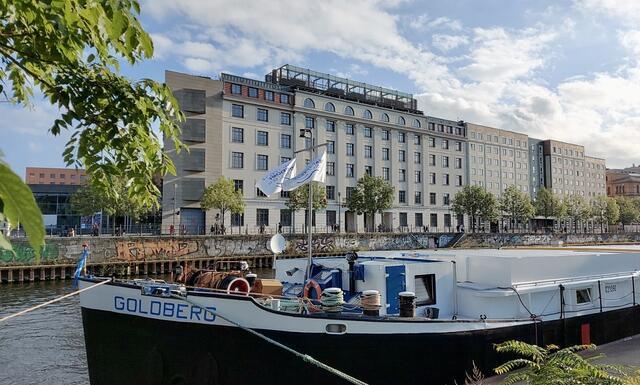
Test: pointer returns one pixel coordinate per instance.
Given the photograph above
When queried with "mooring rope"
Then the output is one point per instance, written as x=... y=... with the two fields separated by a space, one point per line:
x=52 y=301
x=305 y=357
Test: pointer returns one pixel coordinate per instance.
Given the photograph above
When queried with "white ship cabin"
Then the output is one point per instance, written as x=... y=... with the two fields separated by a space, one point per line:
x=479 y=284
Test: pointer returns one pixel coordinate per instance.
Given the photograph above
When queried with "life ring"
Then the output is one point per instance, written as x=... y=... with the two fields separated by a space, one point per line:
x=312 y=284
x=238 y=286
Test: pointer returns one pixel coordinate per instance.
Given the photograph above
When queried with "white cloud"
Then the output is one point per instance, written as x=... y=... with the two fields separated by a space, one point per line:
x=631 y=41
x=448 y=42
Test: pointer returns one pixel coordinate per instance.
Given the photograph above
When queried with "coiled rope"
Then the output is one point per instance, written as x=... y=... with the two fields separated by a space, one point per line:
x=305 y=357
x=332 y=300
x=52 y=301
x=370 y=300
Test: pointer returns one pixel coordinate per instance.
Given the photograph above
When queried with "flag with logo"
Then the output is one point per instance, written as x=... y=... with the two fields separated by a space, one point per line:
x=80 y=266
x=271 y=182
x=315 y=171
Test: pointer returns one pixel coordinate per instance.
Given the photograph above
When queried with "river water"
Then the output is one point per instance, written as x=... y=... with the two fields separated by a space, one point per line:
x=45 y=346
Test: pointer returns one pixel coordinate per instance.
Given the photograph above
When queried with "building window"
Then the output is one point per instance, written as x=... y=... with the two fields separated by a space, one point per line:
x=330 y=126
x=308 y=103
x=432 y=198
x=263 y=115
x=285 y=140
x=417 y=139
x=458 y=163
x=262 y=217
x=385 y=173
x=402 y=196
x=331 y=217
x=331 y=147
x=237 y=160
x=385 y=134
x=434 y=220
x=416 y=123
x=417 y=199
x=432 y=126
x=348 y=111
x=384 y=117
x=260 y=194
x=458 y=180
x=432 y=160
x=368 y=151
x=253 y=92
x=284 y=159
x=331 y=168
x=285 y=118
x=349 y=149
x=284 y=98
x=237 y=111
x=402 y=157
x=583 y=296
x=236 y=89
x=367 y=114
x=445 y=161
x=401 y=121
x=402 y=175
x=385 y=154
x=425 y=288
x=237 y=135
x=368 y=132
x=350 y=170
x=445 y=179
x=349 y=129
x=237 y=219
x=402 y=137
x=432 y=177
x=329 y=107
x=309 y=122
x=418 y=220
x=368 y=170
x=445 y=144
x=403 y=220
x=268 y=95
x=262 y=138
x=262 y=162
x=445 y=199
x=417 y=176
x=238 y=185
x=349 y=192
x=458 y=146
x=63 y=176
x=432 y=142
x=417 y=157
x=331 y=192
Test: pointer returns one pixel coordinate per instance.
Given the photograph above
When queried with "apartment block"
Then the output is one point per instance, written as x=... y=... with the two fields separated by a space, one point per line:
x=568 y=171
x=239 y=128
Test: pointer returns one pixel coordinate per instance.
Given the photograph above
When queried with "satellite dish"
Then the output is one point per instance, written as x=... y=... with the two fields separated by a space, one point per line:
x=277 y=244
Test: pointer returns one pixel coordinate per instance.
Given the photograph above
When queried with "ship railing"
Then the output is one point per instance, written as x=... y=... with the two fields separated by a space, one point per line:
x=593 y=277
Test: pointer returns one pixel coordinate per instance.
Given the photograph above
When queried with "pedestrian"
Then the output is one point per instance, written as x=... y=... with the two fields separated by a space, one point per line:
x=279 y=227
x=172 y=230
x=212 y=230
x=262 y=228
x=462 y=228
x=72 y=232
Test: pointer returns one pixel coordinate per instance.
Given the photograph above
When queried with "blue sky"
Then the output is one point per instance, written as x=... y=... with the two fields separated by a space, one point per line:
x=567 y=70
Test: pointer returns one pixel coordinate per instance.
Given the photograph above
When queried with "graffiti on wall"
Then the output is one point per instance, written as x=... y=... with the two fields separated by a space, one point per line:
x=155 y=249
x=24 y=253
x=218 y=247
x=321 y=244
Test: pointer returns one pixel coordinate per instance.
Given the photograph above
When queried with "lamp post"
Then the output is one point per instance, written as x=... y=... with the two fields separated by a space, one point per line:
x=175 y=189
x=339 y=212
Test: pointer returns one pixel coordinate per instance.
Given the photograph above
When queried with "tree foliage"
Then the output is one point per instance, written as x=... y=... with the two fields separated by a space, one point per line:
x=548 y=205
x=476 y=203
x=605 y=210
x=516 y=205
x=90 y=199
x=70 y=50
x=371 y=195
x=223 y=197
x=577 y=209
x=629 y=212
x=299 y=198
x=553 y=366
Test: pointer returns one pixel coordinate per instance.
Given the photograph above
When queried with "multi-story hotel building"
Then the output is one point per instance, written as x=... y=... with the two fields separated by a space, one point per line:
x=239 y=128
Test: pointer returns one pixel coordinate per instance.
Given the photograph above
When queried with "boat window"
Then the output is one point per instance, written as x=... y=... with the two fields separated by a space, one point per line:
x=583 y=296
x=336 y=328
x=425 y=289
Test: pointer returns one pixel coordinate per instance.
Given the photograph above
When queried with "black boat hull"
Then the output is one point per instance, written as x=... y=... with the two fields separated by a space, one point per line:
x=124 y=349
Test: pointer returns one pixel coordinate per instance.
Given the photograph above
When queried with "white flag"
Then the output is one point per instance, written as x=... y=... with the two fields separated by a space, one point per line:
x=271 y=182
x=315 y=171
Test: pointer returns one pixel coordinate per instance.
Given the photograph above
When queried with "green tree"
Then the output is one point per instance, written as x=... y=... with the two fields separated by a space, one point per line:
x=553 y=366
x=299 y=198
x=370 y=196
x=70 y=50
x=223 y=197
x=516 y=206
x=629 y=212
x=476 y=203
x=605 y=210
x=577 y=210
x=548 y=205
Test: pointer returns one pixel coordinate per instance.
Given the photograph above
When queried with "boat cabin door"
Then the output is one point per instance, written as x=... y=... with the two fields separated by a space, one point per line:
x=396 y=283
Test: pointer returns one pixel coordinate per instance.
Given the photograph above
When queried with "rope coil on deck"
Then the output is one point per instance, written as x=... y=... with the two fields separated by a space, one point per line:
x=305 y=357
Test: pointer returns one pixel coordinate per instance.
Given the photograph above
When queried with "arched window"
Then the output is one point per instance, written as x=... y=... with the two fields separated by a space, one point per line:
x=367 y=114
x=329 y=107
x=416 y=123
x=308 y=103
x=348 y=111
x=384 y=117
x=401 y=121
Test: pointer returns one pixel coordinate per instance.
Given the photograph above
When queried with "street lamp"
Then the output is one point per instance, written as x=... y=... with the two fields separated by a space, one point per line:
x=339 y=211
x=175 y=189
